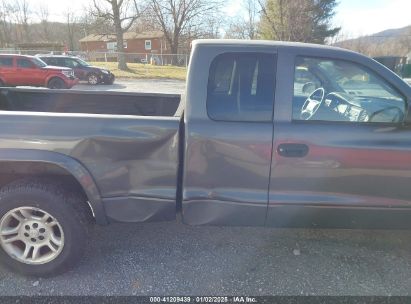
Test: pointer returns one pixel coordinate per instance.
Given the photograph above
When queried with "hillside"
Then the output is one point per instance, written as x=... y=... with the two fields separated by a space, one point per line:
x=390 y=42
x=12 y=34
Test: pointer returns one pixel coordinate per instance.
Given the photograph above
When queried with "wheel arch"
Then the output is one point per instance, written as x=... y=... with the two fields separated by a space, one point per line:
x=51 y=77
x=20 y=163
x=88 y=73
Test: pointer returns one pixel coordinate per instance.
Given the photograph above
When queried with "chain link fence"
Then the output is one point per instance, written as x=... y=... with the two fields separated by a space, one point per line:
x=144 y=58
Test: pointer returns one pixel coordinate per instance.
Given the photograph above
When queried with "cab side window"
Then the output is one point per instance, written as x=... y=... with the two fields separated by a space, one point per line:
x=241 y=87
x=338 y=90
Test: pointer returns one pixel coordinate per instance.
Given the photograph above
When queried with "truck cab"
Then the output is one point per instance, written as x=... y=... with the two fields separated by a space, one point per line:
x=293 y=134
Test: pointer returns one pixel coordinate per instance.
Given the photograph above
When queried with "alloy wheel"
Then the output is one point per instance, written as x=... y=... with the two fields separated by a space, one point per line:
x=31 y=235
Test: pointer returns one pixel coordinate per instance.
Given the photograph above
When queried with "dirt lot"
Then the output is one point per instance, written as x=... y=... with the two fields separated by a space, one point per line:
x=173 y=259
x=145 y=71
x=138 y=85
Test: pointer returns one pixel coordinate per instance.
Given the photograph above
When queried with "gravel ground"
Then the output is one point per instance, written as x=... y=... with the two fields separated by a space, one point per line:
x=173 y=259
x=138 y=85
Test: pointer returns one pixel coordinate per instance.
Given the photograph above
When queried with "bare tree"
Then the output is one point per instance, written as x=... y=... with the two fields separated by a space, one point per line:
x=176 y=17
x=43 y=13
x=123 y=14
x=71 y=22
x=22 y=11
x=91 y=23
x=6 y=13
x=252 y=8
x=245 y=25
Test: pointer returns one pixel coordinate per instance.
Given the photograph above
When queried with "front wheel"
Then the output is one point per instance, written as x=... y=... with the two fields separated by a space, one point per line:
x=56 y=84
x=110 y=82
x=112 y=79
x=41 y=231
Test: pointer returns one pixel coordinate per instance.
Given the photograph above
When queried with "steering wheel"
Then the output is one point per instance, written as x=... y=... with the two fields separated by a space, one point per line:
x=312 y=104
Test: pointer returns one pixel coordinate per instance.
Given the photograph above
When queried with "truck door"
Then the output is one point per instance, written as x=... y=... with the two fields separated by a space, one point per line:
x=341 y=151
x=229 y=137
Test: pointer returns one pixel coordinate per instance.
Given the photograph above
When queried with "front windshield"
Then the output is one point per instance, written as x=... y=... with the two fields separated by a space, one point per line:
x=38 y=62
x=82 y=62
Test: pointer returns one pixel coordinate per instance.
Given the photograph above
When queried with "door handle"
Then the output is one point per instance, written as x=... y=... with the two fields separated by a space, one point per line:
x=292 y=150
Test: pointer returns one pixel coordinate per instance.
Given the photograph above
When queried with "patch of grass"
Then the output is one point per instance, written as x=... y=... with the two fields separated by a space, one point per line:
x=139 y=70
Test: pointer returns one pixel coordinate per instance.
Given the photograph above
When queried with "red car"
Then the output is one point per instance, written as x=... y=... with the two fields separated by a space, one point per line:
x=21 y=70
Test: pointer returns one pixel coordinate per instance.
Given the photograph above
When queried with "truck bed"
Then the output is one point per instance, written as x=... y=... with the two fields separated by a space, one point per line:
x=103 y=102
x=128 y=142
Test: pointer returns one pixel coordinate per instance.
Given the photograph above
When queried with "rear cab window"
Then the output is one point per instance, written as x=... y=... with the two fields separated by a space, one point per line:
x=241 y=87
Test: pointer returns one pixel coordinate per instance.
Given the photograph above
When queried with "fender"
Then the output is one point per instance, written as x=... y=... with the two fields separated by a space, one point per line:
x=71 y=165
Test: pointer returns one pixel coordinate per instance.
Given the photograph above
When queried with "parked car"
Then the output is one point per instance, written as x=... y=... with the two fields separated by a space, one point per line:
x=334 y=151
x=83 y=70
x=21 y=70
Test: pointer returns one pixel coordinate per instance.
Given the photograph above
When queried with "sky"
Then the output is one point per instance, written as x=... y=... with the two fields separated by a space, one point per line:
x=356 y=17
x=362 y=17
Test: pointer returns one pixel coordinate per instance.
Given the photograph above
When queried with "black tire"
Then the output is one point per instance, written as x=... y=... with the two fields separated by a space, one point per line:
x=92 y=79
x=56 y=84
x=1 y=83
x=111 y=81
x=66 y=207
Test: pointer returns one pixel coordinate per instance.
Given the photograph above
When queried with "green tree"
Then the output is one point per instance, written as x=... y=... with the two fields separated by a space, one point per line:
x=298 y=20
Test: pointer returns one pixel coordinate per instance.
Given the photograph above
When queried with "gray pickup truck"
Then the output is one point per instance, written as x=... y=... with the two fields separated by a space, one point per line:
x=267 y=133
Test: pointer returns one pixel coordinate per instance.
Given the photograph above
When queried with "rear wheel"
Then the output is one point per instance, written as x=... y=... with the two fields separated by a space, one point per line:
x=57 y=84
x=92 y=79
x=42 y=230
